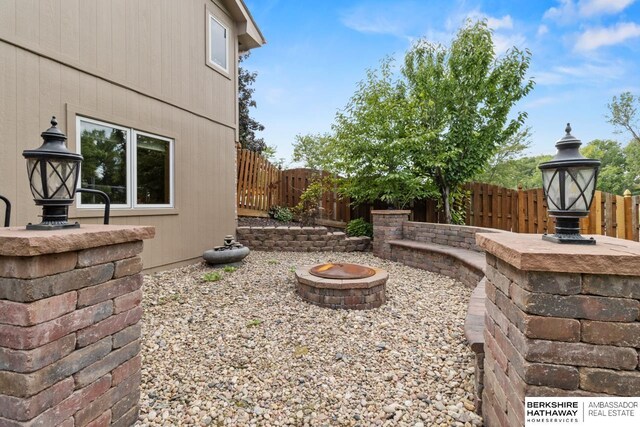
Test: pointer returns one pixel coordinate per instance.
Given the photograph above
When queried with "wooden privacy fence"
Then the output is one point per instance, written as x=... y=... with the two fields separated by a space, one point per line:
x=525 y=211
x=334 y=209
x=258 y=184
x=261 y=185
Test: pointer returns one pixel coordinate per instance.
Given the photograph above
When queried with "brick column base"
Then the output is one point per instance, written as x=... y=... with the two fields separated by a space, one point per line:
x=70 y=326
x=561 y=320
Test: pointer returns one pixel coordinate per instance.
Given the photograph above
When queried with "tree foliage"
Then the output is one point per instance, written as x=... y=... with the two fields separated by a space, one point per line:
x=428 y=128
x=613 y=176
x=513 y=172
x=313 y=151
x=498 y=166
x=370 y=145
x=247 y=125
x=619 y=169
x=460 y=99
x=105 y=165
x=624 y=114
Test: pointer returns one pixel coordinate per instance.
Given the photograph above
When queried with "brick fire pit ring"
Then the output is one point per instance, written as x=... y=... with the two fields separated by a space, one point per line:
x=352 y=293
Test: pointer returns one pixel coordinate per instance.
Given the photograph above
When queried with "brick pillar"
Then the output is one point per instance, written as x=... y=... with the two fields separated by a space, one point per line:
x=561 y=320
x=387 y=225
x=70 y=310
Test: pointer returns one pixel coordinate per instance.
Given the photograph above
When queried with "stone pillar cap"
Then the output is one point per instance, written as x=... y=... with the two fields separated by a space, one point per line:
x=17 y=241
x=530 y=253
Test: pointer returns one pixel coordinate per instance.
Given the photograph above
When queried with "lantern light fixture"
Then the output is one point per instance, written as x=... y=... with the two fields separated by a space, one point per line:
x=53 y=177
x=569 y=183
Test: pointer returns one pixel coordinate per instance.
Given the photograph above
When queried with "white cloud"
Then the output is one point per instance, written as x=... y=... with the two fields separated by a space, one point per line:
x=542 y=30
x=540 y=102
x=593 y=73
x=601 y=7
x=498 y=23
x=399 y=19
x=594 y=38
x=503 y=42
x=378 y=24
x=565 y=12
x=506 y=22
x=568 y=10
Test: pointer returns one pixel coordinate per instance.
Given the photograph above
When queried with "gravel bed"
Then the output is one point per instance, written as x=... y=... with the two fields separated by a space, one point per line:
x=246 y=350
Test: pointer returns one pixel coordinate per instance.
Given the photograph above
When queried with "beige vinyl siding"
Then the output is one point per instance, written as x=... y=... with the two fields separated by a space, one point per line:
x=108 y=60
x=155 y=47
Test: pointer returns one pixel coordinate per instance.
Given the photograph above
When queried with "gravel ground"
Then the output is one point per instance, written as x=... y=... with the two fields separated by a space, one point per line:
x=246 y=350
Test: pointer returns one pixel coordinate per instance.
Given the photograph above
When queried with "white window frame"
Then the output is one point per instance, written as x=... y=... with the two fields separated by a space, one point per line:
x=134 y=161
x=209 y=59
x=131 y=170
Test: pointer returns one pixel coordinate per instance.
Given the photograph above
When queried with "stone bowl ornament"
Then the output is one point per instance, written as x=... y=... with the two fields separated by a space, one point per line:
x=231 y=253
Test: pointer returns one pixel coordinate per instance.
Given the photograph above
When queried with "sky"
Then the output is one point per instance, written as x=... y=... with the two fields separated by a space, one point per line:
x=584 y=52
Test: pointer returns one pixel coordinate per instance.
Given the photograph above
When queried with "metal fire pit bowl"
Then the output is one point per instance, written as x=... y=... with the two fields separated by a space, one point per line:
x=342 y=271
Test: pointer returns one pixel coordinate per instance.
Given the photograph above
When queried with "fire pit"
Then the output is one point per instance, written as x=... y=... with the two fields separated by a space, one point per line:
x=348 y=286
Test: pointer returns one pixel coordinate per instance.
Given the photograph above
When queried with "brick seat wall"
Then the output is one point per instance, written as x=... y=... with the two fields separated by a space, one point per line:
x=464 y=265
x=300 y=239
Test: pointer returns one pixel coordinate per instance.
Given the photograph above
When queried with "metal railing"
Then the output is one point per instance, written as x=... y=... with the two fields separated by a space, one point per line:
x=7 y=211
x=105 y=197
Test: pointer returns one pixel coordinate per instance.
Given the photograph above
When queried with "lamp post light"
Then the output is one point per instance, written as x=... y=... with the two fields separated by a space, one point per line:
x=53 y=177
x=569 y=182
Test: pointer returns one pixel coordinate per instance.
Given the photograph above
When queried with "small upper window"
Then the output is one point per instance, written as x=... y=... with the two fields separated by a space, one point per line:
x=218 y=43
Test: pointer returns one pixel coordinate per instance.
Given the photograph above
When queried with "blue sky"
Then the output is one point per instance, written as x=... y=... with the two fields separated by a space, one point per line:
x=583 y=53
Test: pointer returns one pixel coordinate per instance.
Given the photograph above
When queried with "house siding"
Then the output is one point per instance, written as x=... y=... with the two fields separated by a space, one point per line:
x=136 y=63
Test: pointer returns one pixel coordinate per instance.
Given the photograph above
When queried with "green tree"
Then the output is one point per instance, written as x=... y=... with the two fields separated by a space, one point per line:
x=269 y=153
x=496 y=169
x=459 y=101
x=612 y=177
x=514 y=172
x=313 y=151
x=105 y=164
x=370 y=145
x=247 y=125
x=624 y=114
x=632 y=159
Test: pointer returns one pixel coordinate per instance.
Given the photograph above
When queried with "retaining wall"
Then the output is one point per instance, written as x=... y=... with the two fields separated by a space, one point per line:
x=299 y=239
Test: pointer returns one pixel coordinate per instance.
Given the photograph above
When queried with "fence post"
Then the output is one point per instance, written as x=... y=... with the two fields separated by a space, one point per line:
x=519 y=222
x=628 y=223
x=621 y=224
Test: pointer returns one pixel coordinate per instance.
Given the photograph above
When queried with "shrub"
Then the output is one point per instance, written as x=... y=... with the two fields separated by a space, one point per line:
x=213 y=276
x=359 y=227
x=308 y=208
x=281 y=213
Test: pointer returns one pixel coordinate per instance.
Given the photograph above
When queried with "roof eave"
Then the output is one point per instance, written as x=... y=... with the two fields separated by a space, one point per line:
x=249 y=35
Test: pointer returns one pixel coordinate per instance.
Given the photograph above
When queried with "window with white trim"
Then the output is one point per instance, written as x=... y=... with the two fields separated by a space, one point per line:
x=134 y=168
x=218 y=54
